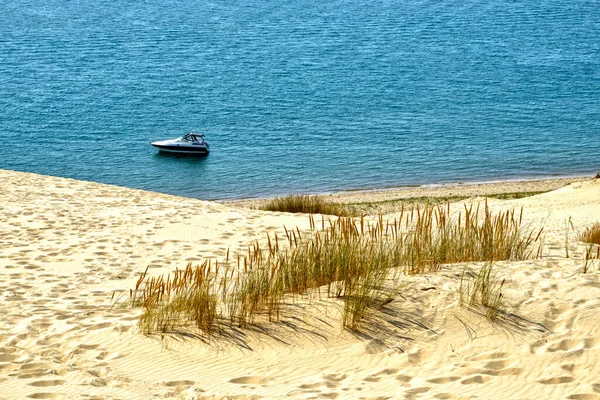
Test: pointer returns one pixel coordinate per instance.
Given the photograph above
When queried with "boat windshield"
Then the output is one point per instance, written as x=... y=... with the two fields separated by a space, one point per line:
x=191 y=137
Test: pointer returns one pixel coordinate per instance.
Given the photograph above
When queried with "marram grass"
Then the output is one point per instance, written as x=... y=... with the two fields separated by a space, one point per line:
x=307 y=204
x=347 y=259
x=482 y=290
x=591 y=234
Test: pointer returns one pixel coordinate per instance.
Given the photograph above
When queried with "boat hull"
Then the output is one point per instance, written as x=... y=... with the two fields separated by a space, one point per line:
x=189 y=150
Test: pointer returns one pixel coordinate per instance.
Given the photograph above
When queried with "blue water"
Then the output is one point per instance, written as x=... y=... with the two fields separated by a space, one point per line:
x=305 y=96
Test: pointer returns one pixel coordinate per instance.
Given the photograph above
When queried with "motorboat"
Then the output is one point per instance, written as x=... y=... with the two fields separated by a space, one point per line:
x=192 y=143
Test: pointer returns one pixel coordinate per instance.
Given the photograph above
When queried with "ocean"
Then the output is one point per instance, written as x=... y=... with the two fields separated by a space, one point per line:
x=300 y=97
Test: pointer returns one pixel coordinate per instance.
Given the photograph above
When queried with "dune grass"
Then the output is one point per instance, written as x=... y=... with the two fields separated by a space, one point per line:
x=307 y=204
x=591 y=234
x=346 y=259
x=188 y=296
x=514 y=195
x=482 y=290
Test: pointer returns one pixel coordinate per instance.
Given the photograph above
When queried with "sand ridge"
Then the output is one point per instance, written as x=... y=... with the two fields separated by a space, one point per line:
x=67 y=245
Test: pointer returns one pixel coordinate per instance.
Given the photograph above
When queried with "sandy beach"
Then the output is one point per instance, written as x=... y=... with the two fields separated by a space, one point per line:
x=68 y=246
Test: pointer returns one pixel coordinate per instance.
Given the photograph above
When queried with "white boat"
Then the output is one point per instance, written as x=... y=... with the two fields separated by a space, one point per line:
x=192 y=143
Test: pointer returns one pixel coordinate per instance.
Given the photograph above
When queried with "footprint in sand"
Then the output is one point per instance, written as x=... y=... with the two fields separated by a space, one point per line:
x=331 y=395
x=309 y=386
x=590 y=343
x=583 y=396
x=444 y=396
x=475 y=379
x=593 y=284
x=443 y=379
x=334 y=378
x=563 y=345
x=47 y=383
x=372 y=379
x=501 y=372
x=492 y=356
x=246 y=380
x=418 y=390
x=404 y=378
x=179 y=383
x=387 y=371
x=557 y=380
x=45 y=396
x=88 y=346
x=34 y=366
x=7 y=357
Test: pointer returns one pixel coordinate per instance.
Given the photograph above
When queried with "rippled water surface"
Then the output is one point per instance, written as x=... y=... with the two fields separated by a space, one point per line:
x=305 y=96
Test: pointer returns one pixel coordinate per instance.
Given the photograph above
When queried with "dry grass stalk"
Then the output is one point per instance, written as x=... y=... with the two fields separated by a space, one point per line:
x=592 y=255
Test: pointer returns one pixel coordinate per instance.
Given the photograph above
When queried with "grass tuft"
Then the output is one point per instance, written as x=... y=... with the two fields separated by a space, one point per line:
x=188 y=296
x=482 y=290
x=306 y=204
x=591 y=234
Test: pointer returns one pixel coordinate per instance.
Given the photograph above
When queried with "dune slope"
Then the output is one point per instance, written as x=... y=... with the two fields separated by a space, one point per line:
x=67 y=245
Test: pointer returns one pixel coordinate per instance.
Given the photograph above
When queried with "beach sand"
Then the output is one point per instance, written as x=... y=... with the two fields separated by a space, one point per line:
x=66 y=246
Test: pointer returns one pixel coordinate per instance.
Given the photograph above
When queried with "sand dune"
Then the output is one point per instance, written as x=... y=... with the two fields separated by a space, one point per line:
x=67 y=245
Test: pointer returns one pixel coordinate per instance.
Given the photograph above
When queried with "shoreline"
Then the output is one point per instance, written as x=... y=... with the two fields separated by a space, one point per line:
x=383 y=194
x=467 y=189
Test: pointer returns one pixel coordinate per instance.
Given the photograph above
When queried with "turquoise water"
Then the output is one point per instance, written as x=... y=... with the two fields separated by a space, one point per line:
x=305 y=97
